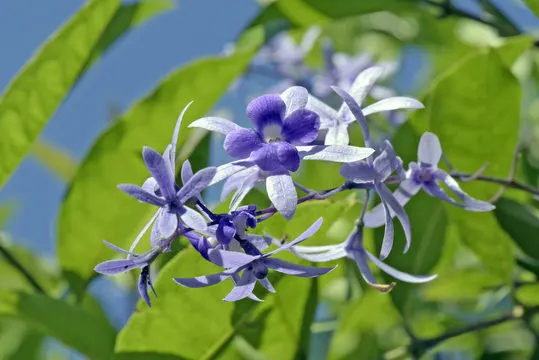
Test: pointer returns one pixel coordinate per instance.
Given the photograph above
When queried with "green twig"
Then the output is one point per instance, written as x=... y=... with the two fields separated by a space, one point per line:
x=20 y=268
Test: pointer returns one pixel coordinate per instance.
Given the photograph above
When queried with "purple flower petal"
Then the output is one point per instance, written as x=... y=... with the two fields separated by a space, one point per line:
x=470 y=203
x=193 y=219
x=113 y=267
x=282 y=194
x=251 y=296
x=288 y=155
x=242 y=142
x=141 y=195
x=297 y=270
x=295 y=98
x=174 y=142
x=266 y=110
x=393 y=204
x=162 y=173
x=399 y=275
x=206 y=280
x=302 y=237
x=392 y=103
x=267 y=285
x=196 y=184
x=187 y=171
x=337 y=135
x=358 y=172
x=215 y=124
x=360 y=258
x=334 y=153
x=168 y=223
x=269 y=156
x=429 y=151
x=200 y=243
x=118 y=249
x=301 y=127
x=230 y=259
x=243 y=289
x=225 y=231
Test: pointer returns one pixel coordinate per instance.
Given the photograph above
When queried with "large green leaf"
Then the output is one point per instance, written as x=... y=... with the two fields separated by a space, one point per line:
x=533 y=5
x=429 y=222
x=84 y=331
x=18 y=341
x=36 y=92
x=474 y=108
x=94 y=209
x=520 y=223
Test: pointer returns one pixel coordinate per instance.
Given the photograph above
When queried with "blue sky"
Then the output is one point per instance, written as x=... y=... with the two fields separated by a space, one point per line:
x=127 y=72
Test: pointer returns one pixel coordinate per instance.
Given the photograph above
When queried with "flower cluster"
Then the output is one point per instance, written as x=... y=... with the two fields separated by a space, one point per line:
x=284 y=134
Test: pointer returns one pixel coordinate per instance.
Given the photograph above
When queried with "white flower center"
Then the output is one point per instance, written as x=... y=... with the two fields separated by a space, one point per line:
x=272 y=132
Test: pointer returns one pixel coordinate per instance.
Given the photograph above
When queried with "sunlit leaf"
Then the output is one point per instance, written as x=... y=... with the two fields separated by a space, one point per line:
x=36 y=92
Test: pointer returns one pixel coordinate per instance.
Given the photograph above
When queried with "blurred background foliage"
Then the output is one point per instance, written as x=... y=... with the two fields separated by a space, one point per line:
x=474 y=64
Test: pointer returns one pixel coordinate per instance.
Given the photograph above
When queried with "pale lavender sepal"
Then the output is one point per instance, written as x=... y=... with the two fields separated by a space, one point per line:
x=328 y=115
x=193 y=219
x=186 y=172
x=334 y=153
x=389 y=199
x=282 y=194
x=267 y=285
x=215 y=124
x=337 y=135
x=399 y=275
x=230 y=259
x=389 y=232
x=150 y=185
x=355 y=108
x=143 y=231
x=295 y=98
x=358 y=172
x=206 y=280
x=243 y=288
x=168 y=222
x=362 y=85
x=296 y=270
x=302 y=237
x=175 y=134
x=429 y=151
x=392 y=103
x=228 y=169
x=334 y=253
x=470 y=203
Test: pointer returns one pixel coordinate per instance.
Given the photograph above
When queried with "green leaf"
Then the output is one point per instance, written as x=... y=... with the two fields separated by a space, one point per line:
x=429 y=222
x=520 y=223
x=513 y=48
x=533 y=5
x=36 y=92
x=57 y=160
x=73 y=326
x=460 y=108
x=18 y=341
x=458 y=285
x=94 y=209
x=528 y=295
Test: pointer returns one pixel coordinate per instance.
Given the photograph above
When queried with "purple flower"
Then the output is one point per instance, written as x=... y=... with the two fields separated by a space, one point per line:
x=161 y=190
x=426 y=176
x=372 y=174
x=143 y=262
x=337 y=122
x=235 y=223
x=253 y=267
x=283 y=128
x=353 y=248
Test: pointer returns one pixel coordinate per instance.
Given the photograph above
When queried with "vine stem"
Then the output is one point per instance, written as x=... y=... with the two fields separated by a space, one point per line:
x=510 y=183
x=11 y=259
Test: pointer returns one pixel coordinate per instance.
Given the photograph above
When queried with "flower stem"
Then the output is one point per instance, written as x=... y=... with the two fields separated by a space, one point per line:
x=10 y=258
x=510 y=183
